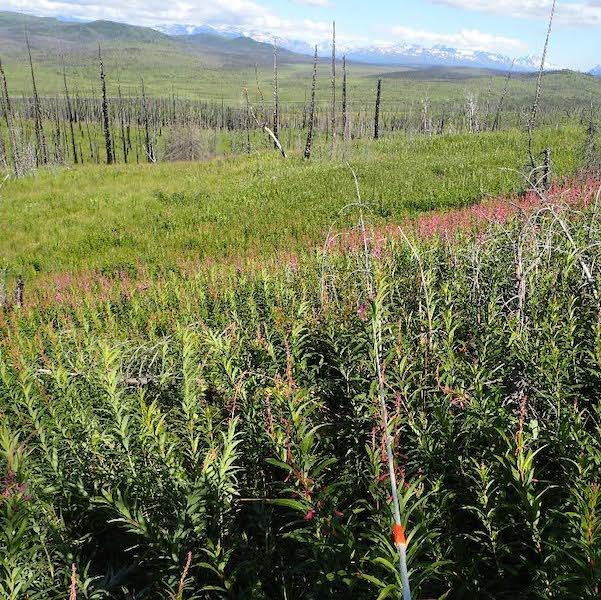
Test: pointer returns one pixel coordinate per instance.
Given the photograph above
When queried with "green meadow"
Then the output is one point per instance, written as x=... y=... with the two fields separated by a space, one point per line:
x=232 y=208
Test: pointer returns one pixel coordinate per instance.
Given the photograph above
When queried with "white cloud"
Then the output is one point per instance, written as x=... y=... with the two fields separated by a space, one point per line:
x=141 y=12
x=467 y=39
x=318 y=3
x=249 y=17
x=570 y=13
x=246 y=15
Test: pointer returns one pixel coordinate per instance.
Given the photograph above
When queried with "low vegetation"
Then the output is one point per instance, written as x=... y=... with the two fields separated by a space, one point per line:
x=249 y=208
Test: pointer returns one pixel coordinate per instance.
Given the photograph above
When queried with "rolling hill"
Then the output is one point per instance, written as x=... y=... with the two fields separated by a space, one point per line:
x=48 y=35
x=204 y=65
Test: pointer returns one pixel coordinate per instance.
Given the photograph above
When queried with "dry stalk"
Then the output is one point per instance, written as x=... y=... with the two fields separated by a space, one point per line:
x=184 y=577
x=73 y=588
x=539 y=83
x=422 y=275
x=400 y=540
x=265 y=127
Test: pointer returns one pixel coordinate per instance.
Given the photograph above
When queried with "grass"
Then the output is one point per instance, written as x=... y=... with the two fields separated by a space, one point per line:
x=247 y=207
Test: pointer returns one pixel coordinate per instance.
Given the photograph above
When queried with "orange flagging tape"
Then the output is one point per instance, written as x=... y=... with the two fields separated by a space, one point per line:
x=398 y=534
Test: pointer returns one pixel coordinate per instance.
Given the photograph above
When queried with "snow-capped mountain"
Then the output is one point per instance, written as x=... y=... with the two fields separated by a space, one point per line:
x=196 y=29
x=389 y=54
x=596 y=71
x=411 y=55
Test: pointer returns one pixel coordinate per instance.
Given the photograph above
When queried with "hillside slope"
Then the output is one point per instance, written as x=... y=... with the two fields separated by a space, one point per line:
x=205 y=65
x=55 y=36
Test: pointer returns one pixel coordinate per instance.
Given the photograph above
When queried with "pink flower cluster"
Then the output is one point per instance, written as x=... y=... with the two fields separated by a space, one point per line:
x=474 y=218
x=64 y=288
x=10 y=488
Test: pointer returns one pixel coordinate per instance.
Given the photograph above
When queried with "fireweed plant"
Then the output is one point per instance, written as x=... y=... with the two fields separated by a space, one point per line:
x=220 y=433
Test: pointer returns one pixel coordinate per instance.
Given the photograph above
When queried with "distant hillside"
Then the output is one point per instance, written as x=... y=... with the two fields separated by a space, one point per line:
x=55 y=36
x=237 y=51
x=48 y=33
x=398 y=54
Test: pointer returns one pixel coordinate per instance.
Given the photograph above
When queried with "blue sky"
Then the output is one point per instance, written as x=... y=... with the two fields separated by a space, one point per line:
x=511 y=27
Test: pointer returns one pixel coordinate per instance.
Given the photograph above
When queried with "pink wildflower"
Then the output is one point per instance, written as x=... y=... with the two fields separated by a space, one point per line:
x=362 y=311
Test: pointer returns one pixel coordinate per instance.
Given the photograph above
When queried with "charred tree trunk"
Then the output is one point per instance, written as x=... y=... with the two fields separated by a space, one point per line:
x=276 y=93
x=539 y=83
x=345 y=120
x=497 y=121
x=106 y=124
x=309 y=144
x=333 y=115
x=377 y=114
x=546 y=169
x=150 y=157
x=247 y=125
x=8 y=117
x=19 y=292
x=39 y=124
x=70 y=116
x=122 y=121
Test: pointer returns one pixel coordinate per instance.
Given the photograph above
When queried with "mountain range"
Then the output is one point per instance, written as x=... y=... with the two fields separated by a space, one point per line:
x=51 y=36
x=391 y=54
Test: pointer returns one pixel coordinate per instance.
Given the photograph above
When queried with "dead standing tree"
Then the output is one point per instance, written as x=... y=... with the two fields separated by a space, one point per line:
x=69 y=114
x=539 y=83
x=42 y=148
x=276 y=92
x=149 y=149
x=263 y=125
x=309 y=144
x=377 y=113
x=8 y=117
x=333 y=116
x=345 y=119
x=122 y=122
x=106 y=124
x=497 y=121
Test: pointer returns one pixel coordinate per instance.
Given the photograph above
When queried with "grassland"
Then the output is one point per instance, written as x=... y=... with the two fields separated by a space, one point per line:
x=166 y=71
x=241 y=207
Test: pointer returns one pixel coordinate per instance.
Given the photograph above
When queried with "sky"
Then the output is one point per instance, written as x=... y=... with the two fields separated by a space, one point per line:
x=511 y=27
